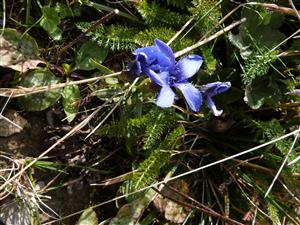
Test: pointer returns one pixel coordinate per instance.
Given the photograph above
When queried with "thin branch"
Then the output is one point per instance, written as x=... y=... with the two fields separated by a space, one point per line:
x=22 y=91
x=180 y=31
x=283 y=163
x=113 y=109
x=206 y=40
x=202 y=208
x=179 y=176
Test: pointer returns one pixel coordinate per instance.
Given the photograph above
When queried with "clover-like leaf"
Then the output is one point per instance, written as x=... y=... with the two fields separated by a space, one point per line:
x=50 y=22
x=261 y=27
x=88 y=217
x=260 y=92
x=88 y=54
x=71 y=100
x=39 y=101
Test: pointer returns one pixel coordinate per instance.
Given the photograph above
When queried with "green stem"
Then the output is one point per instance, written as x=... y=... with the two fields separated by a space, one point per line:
x=28 y=6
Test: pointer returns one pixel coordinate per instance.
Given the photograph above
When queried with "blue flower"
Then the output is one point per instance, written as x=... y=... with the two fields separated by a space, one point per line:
x=155 y=58
x=212 y=89
x=159 y=64
x=177 y=77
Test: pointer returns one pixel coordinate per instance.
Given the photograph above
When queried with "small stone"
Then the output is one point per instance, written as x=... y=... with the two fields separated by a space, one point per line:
x=11 y=123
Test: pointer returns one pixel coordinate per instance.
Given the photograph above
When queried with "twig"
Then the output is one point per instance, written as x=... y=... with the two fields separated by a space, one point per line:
x=113 y=109
x=206 y=40
x=94 y=26
x=283 y=163
x=7 y=119
x=295 y=10
x=22 y=91
x=280 y=9
x=180 y=31
x=180 y=175
x=202 y=208
x=294 y=161
x=77 y=127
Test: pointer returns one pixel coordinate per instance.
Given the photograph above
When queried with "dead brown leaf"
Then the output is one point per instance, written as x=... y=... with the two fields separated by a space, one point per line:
x=12 y=58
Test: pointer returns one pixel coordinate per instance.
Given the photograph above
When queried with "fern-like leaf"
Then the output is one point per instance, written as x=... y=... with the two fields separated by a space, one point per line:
x=257 y=65
x=207 y=14
x=120 y=37
x=150 y=168
x=156 y=15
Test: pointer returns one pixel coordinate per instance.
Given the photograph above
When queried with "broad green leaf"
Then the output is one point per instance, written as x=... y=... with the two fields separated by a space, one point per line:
x=88 y=217
x=101 y=68
x=67 y=11
x=50 y=22
x=71 y=99
x=18 y=52
x=24 y=43
x=88 y=53
x=261 y=27
x=130 y=213
x=260 y=92
x=39 y=101
x=63 y=10
x=237 y=41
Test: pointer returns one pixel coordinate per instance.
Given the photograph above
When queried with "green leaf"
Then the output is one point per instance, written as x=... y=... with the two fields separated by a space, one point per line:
x=88 y=54
x=261 y=26
x=71 y=99
x=101 y=68
x=63 y=10
x=39 y=101
x=88 y=217
x=25 y=44
x=130 y=213
x=237 y=41
x=50 y=22
x=260 y=92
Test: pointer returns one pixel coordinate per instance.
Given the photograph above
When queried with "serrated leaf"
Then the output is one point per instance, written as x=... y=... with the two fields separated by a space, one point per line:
x=88 y=53
x=88 y=217
x=39 y=101
x=50 y=22
x=17 y=51
x=71 y=99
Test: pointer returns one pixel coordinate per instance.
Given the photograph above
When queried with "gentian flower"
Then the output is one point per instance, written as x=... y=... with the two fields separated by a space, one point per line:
x=212 y=89
x=159 y=64
x=155 y=58
x=178 y=77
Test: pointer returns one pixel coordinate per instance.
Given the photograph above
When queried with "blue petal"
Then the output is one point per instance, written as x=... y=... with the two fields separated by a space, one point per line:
x=188 y=67
x=216 y=88
x=167 y=58
x=156 y=78
x=166 y=97
x=146 y=55
x=211 y=105
x=165 y=76
x=191 y=94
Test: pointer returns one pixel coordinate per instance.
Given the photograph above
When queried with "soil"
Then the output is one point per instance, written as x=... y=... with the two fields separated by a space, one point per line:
x=73 y=192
